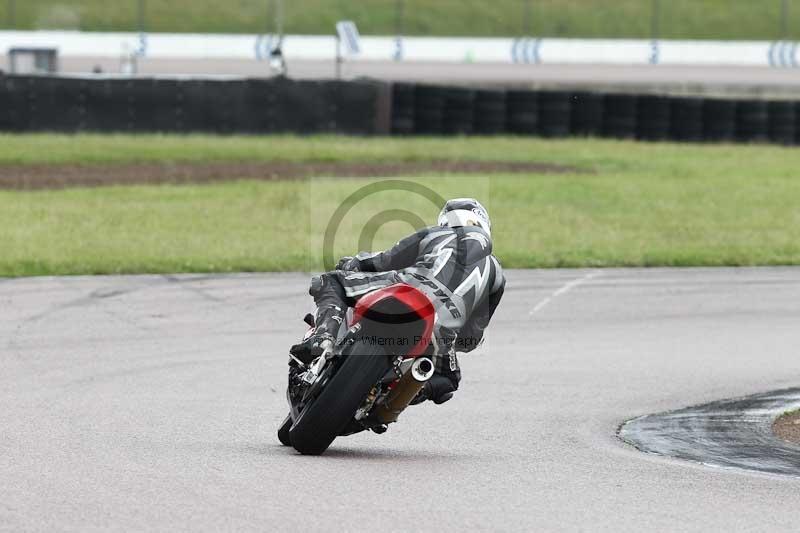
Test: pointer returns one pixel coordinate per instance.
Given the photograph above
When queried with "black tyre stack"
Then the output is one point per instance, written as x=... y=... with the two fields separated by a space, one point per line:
x=782 y=127
x=6 y=124
x=797 y=122
x=490 y=112
x=429 y=109
x=39 y=103
x=260 y=97
x=719 y=120
x=64 y=107
x=459 y=109
x=653 y=123
x=752 y=121
x=11 y=104
x=158 y=105
x=195 y=104
x=170 y=110
x=554 y=113
x=212 y=106
x=522 y=109
x=278 y=105
x=142 y=105
x=686 y=119
x=619 y=117
x=586 y=114
x=403 y=108
x=231 y=110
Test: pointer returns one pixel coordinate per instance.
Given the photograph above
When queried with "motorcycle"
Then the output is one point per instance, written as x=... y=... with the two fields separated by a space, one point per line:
x=367 y=377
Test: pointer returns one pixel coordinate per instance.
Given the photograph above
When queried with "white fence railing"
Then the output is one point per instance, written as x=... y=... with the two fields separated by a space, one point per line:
x=455 y=50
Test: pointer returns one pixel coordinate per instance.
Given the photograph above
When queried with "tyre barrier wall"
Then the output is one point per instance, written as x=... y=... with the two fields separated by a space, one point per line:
x=275 y=105
x=280 y=105
x=437 y=110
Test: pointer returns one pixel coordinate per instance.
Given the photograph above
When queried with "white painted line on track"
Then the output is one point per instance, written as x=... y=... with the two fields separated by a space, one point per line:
x=563 y=290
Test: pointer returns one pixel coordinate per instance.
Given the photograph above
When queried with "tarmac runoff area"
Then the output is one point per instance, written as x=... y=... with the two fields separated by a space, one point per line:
x=151 y=402
x=706 y=80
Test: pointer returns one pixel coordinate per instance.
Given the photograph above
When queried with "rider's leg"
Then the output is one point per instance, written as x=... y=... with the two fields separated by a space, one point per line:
x=331 y=301
x=333 y=293
x=329 y=295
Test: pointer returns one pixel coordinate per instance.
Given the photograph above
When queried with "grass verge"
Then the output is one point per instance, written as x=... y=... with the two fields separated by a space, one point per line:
x=697 y=19
x=642 y=205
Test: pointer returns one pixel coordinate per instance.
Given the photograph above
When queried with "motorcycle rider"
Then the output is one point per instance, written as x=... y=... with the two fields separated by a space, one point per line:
x=452 y=263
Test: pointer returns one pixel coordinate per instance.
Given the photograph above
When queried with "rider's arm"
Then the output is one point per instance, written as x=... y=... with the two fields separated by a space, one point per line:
x=402 y=255
x=471 y=335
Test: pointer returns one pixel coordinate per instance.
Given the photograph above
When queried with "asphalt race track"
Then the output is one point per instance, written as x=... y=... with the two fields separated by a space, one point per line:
x=151 y=403
x=679 y=79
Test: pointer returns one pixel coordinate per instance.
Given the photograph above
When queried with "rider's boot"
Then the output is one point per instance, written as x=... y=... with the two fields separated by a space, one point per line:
x=439 y=388
x=327 y=322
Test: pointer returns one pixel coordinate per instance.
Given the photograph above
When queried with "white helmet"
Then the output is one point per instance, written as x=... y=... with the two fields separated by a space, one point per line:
x=465 y=212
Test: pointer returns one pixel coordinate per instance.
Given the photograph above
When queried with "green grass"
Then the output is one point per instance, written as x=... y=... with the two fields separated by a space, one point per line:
x=640 y=205
x=701 y=19
x=111 y=149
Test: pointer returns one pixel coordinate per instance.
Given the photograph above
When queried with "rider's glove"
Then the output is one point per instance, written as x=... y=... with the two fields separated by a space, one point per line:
x=347 y=263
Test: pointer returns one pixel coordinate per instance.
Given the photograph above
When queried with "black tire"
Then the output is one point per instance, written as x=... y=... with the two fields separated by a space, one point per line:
x=653 y=123
x=403 y=106
x=323 y=419
x=797 y=122
x=719 y=120
x=429 y=103
x=403 y=125
x=686 y=119
x=554 y=113
x=586 y=116
x=403 y=94
x=457 y=128
x=283 y=431
x=619 y=117
x=782 y=121
x=752 y=121
x=490 y=112
x=459 y=112
x=522 y=112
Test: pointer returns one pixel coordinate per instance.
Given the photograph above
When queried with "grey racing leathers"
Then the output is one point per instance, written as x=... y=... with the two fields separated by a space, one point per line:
x=454 y=267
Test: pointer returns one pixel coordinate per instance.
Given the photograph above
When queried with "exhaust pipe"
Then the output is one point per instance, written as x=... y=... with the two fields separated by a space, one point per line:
x=422 y=369
x=405 y=390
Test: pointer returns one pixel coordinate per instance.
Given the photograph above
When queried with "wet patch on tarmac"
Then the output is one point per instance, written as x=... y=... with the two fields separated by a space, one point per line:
x=735 y=433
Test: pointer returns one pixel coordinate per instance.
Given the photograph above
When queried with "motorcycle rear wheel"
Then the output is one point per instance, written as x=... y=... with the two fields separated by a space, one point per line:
x=324 y=418
x=283 y=431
